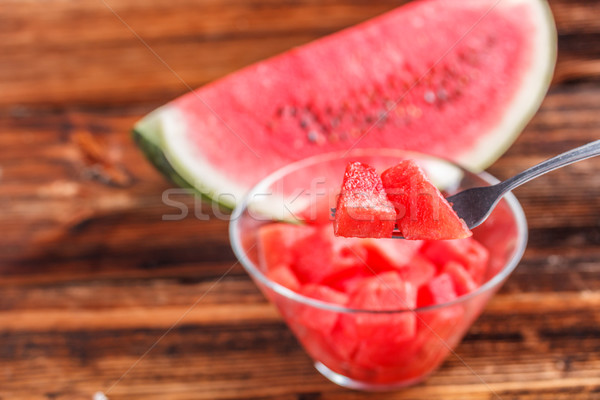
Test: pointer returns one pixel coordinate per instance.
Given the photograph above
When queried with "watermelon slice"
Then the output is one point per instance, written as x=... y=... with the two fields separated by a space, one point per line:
x=422 y=211
x=363 y=209
x=458 y=79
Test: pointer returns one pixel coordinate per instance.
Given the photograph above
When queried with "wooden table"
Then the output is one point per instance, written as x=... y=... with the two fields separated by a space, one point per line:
x=98 y=293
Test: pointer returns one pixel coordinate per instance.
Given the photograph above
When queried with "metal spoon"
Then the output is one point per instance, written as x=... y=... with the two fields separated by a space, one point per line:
x=476 y=204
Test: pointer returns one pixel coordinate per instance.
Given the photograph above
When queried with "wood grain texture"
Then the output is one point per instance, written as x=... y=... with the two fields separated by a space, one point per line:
x=91 y=275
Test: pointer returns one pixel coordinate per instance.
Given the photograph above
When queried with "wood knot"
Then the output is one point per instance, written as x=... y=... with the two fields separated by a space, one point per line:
x=98 y=162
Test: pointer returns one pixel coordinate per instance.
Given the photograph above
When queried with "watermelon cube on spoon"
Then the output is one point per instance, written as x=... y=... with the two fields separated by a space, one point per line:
x=422 y=211
x=363 y=209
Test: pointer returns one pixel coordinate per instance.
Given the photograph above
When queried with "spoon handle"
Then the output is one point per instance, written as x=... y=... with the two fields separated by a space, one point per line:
x=577 y=154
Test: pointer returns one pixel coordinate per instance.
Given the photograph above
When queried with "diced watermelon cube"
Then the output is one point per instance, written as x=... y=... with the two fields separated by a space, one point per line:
x=349 y=281
x=386 y=291
x=438 y=331
x=365 y=332
x=276 y=243
x=363 y=209
x=322 y=256
x=437 y=291
x=284 y=276
x=394 y=351
x=469 y=252
x=385 y=255
x=422 y=211
x=344 y=338
x=463 y=281
x=419 y=271
x=318 y=319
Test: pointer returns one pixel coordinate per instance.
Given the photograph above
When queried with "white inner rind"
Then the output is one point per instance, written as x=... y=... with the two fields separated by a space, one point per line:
x=272 y=204
x=192 y=165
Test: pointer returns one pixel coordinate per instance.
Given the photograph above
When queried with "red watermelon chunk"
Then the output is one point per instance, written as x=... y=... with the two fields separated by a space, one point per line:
x=276 y=241
x=469 y=252
x=463 y=281
x=349 y=281
x=439 y=290
x=419 y=271
x=319 y=319
x=372 y=332
x=322 y=256
x=384 y=255
x=344 y=339
x=386 y=291
x=373 y=275
x=363 y=209
x=438 y=331
x=422 y=211
x=393 y=351
x=284 y=276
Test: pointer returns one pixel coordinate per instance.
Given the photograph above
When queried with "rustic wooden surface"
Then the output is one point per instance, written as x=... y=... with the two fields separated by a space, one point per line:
x=91 y=276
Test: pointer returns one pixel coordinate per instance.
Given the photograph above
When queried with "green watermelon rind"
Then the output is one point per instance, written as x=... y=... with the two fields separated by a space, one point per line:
x=150 y=132
x=147 y=134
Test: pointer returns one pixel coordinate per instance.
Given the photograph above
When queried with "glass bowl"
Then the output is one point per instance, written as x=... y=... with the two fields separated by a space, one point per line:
x=309 y=187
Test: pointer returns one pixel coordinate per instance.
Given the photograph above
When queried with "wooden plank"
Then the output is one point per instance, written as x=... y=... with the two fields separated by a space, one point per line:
x=91 y=275
x=202 y=309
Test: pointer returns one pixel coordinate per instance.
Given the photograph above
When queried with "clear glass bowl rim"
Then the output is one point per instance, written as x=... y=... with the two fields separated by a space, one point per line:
x=256 y=273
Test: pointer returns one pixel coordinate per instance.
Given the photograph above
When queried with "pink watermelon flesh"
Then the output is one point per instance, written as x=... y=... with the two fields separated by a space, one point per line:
x=469 y=252
x=321 y=256
x=397 y=275
x=391 y=351
x=419 y=271
x=349 y=281
x=363 y=209
x=383 y=255
x=422 y=211
x=439 y=290
x=434 y=76
x=283 y=275
x=386 y=291
x=323 y=321
x=276 y=241
x=463 y=281
x=437 y=332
